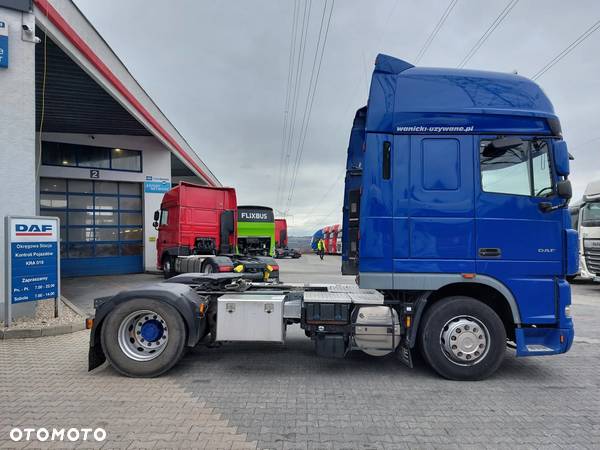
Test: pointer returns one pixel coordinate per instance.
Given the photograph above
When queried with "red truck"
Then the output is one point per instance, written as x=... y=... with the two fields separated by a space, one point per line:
x=281 y=241
x=197 y=232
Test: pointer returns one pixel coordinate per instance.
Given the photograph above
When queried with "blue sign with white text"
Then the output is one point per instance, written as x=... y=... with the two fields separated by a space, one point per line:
x=156 y=187
x=3 y=44
x=34 y=259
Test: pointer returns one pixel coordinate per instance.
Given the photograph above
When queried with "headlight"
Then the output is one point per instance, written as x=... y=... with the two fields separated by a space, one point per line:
x=568 y=311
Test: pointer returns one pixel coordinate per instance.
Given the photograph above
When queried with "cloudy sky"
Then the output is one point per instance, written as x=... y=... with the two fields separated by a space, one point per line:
x=219 y=71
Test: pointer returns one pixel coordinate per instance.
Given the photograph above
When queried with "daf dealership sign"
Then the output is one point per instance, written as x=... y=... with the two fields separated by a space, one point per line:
x=33 y=260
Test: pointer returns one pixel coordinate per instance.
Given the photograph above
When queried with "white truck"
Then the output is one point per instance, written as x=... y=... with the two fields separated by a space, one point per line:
x=585 y=216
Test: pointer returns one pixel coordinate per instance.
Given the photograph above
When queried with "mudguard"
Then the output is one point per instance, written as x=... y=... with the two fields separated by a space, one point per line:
x=180 y=296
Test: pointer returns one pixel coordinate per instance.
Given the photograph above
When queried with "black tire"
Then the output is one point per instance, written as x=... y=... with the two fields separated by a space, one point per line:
x=210 y=267
x=168 y=267
x=434 y=323
x=171 y=354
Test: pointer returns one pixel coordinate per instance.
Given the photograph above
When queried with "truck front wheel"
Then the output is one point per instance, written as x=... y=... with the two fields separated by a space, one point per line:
x=462 y=338
x=169 y=267
x=143 y=338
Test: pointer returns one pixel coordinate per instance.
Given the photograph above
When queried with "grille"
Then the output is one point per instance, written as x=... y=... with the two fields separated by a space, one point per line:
x=592 y=260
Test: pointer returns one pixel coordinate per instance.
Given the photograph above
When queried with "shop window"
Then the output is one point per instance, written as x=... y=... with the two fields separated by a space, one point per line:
x=106 y=218
x=53 y=200
x=130 y=218
x=81 y=186
x=81 y=234
x=131 y=234
x=107 y=234
x=86 y=156
x=126 y=160
x=95 y=157
x=81 y=218
x=110 y=203
x=131 y=203
x=129 y=189
x=53 y=185
x=81 y=202
x=106 y=187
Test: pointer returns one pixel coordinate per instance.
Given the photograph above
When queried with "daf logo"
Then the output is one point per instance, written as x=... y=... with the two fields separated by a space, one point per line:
x=33 y=230
x=546 y=250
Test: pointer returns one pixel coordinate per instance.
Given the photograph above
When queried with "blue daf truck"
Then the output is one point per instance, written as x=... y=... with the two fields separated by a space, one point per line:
x=455 y=225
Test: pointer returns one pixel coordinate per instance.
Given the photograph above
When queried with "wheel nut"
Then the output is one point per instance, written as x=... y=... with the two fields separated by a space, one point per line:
x=474 y=330
x=453 y=338
x=458 y=330
x=467 y=327
x=468 y=356
x=481 y=345
x=454 y=347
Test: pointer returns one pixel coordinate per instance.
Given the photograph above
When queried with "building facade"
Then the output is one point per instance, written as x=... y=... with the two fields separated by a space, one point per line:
x=80 y=139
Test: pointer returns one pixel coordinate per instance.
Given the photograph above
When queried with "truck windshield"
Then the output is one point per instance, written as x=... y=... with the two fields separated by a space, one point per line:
x=591 y=215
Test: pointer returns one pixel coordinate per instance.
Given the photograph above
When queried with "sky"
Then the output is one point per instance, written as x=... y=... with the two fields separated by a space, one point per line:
x=219 y=71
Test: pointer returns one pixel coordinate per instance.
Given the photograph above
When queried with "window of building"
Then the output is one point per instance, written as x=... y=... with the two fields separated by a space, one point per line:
x=90 y=157
x=522 y=170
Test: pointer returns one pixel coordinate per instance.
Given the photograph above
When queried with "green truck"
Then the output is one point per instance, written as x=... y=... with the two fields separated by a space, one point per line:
x=255 y=230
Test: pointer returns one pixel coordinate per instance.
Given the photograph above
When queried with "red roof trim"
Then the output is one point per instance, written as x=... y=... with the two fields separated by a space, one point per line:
x=62 y=25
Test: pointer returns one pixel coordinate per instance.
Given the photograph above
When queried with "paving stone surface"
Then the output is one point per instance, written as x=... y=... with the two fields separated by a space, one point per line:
x=247 y=396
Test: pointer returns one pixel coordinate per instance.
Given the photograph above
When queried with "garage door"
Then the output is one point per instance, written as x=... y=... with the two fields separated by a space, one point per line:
x=101 y=225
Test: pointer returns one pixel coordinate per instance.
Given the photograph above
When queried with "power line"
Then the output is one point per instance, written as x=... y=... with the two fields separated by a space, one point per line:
x=297 y=83
x=484 y=37
x=312 y=99
x=308 y=93
x=435 y=31
x=294 y=29
x=572 y=46
x=327 y=192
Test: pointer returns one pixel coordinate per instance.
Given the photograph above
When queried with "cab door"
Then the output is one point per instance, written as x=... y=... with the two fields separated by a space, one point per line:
x=435 y=219
x=518 y=242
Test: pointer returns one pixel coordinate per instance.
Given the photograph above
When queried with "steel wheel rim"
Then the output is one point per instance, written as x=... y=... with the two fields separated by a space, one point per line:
x=465 y=340
x=167 y=266
x=208 y=269
x=143 y=335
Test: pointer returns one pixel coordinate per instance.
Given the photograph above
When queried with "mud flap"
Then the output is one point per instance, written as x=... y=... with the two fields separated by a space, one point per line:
x=404 y=355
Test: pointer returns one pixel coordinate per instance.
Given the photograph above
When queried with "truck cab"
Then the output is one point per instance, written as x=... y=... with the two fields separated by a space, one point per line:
x=463 y=190
x=195 y=220
x=352 y=188
x=585 y=217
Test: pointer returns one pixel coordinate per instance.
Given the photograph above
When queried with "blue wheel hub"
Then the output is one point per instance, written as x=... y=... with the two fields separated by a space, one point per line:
x=152 y=330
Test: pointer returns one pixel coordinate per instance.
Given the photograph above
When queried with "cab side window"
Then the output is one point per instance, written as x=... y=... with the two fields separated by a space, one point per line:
x=522 y=170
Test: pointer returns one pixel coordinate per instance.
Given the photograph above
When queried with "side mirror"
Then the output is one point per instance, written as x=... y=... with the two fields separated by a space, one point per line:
x=155 y=224
x=564 y=189
x=561 y=158
x=156 y=216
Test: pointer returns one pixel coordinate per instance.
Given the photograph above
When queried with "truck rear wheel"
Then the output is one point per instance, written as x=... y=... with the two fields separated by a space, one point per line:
x=143 y=338
x=462 y=338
